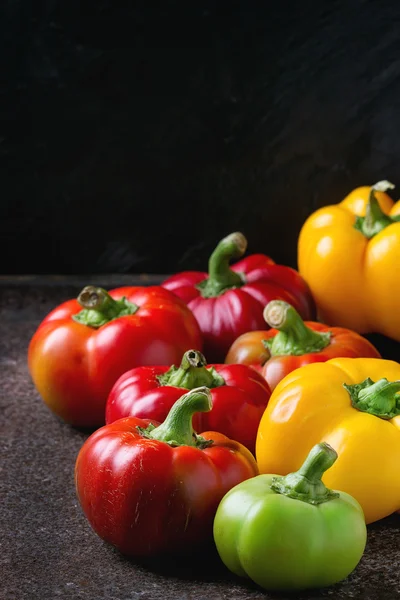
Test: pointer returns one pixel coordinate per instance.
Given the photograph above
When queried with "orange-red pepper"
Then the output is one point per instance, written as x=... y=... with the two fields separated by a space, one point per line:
x=293 y=343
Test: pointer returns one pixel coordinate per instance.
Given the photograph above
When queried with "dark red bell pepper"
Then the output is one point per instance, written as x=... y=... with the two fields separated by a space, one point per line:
x=239 y=395
x=149 y=489
x=228 y=301
x=292 y=343
x=83 y=346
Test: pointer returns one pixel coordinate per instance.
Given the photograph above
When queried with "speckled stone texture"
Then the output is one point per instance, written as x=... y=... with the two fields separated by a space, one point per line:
x=48 y=548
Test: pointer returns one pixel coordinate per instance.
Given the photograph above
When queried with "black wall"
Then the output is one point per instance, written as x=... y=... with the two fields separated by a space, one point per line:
x=134 y=135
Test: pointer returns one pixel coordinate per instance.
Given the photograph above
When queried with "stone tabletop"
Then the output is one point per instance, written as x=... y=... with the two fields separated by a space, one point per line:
x=48 y=548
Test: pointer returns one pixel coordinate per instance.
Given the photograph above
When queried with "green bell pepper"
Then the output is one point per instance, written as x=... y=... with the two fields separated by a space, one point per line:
x=291 y=533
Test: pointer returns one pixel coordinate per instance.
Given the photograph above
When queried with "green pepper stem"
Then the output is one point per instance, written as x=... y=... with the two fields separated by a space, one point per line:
x=381 y=399
x=294 y=337
x=305 y=484
x=375 y=219
x=99 y=308
x=177 y=429
x=192 y=373
x=220 y=275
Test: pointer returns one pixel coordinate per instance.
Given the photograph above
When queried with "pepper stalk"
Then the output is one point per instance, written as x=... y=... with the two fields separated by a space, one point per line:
x=294 y=337
x=220 y=276
x=99 y=308
x=192 y=373
x=305 y=484
x=380 y=398
x=177 y=429
x=375 y=219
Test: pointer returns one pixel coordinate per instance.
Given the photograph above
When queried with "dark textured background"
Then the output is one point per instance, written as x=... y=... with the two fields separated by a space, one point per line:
x=129 y=128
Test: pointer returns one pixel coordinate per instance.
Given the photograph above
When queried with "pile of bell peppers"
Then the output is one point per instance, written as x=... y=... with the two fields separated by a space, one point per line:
x=285 y=446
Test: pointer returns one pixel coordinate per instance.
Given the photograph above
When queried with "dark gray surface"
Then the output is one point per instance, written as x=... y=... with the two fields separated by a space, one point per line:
x=49 y=550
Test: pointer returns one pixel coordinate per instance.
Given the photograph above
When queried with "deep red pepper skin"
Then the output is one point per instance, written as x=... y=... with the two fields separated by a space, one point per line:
x=74 y=366
x=223 y=318
x=248 y=349
x=146 y=497
x=237 y=406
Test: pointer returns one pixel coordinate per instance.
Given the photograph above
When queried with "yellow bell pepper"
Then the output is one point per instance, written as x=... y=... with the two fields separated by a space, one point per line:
x=353 y=404
x=349 y=254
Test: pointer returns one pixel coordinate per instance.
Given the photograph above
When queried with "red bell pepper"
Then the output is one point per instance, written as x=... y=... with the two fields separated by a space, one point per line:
x=239 y=395
x=293 y=343
x=148 y=488
x=83 y=346
x=228 y=301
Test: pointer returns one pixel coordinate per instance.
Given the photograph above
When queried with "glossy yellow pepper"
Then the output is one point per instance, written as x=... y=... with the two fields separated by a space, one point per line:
x=349 y=254
x=353 y=404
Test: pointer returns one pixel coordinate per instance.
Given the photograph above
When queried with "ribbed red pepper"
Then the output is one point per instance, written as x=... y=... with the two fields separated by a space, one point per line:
x=148 y=488
x=239 y=396
x=229 y=300
x=83 y=346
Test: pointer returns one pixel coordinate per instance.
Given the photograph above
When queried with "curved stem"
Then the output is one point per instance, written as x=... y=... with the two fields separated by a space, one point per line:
x=294 y=337
x=192 y=373
x=220 y=275
x=99 y=308
x=375 y=219
x=177 y=429
x=381 y=398
x=305 y=484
